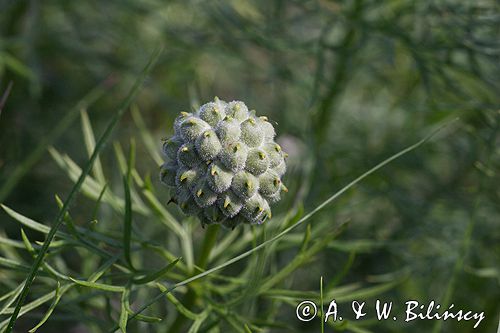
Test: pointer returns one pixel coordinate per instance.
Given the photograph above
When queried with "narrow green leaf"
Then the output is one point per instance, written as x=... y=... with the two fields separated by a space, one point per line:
x=156 y=275
x=99 y=286
x=89 y=139
x=127 y=222
x=60 y=217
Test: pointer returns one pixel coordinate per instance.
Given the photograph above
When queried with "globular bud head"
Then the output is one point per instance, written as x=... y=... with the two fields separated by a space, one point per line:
x=234 y=156
x=167 y=173
x=255 y=209
x=266 y=127
x=269 y=182
x=187 y=177
x=219 y=178
x=245 y=185
x=186 y=202
x=212 y=113
x=274 y=152
x=187 y=155
x=179 y=120
x=228 y=130
x=192 y=127
x=208 y=145
x=251 y=133
x=203 y=194
x=224 y=165
x=171 y=146
x=257 y=161
x=237 y=110
x=229 y=203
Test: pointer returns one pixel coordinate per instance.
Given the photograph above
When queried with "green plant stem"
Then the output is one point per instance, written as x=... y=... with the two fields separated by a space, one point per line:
x=190 y=297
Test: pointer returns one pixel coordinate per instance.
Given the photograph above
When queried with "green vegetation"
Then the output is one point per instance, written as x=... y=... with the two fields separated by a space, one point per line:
x=389 y=111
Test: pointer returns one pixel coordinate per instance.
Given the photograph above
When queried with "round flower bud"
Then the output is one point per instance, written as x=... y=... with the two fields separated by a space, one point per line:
x=203 y=194
x=234 y=156
x=269 y=182
x=254 y=208
x=187 y=178
x=238 y=110
x=212 y=113
x=219 y=178
x=192 y=127
x=267 y=128
x=187 y=156
x=208 y=145
x=251 y=133
x=167 y=173
x=171 y=146
x=223 y=164
x=274 y=152
x=257 y=161
x=179 y=120
x=228 y=130
x=245 y=184
x=229 y=203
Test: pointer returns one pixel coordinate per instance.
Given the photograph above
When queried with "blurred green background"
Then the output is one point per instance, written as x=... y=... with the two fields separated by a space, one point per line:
x=348 y=83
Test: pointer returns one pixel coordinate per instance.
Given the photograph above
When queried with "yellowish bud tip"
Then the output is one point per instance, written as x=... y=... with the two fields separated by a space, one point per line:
x=213 y=172
x=236 y=147
x=206 y=134
x=251 y=121
x=277 y=148
x=227 y=202
x=285 y=155
x=284 y=188
x=199 y=193
x=185 y=149
x=216 y=99
x=276 y=181
x=185 y=114
x=260 y=209
x=183 y=177
x=248 y=184
x=262 y=155
x=264 y=118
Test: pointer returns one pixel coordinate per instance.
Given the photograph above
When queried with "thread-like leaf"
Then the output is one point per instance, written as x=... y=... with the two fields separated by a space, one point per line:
x=156 y=275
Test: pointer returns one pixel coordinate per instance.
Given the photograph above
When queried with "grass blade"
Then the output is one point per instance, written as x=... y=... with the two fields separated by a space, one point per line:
x=60 y=217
